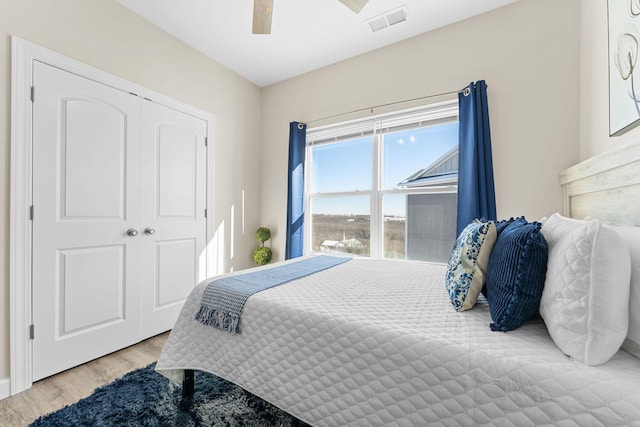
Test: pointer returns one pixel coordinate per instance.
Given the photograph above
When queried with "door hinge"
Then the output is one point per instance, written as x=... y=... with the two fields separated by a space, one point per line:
x=31 y=212
x=205 y=213
x=32 y=331
x=206 y=141
x=33 y=93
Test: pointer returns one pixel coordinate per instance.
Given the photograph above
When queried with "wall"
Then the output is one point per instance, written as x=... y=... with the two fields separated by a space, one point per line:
x=594 y=83
x=527 y=52
x=107 y=36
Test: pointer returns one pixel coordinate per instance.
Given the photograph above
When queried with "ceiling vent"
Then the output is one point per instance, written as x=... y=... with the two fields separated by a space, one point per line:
x=388 y=18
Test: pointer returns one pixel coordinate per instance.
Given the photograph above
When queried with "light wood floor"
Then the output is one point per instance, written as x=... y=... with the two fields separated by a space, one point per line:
x=53 y=393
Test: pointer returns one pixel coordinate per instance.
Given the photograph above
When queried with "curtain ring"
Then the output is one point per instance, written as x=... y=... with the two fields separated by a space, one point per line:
x=300 y=126
x=466 y=91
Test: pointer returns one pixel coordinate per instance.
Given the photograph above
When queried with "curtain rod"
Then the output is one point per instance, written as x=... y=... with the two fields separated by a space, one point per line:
x=388 y=104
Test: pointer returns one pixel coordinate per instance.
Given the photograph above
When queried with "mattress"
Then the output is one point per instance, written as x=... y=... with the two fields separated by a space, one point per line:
x=377 y=342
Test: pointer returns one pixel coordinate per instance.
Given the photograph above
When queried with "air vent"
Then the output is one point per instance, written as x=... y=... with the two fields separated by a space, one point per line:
x=377 y=24
x=388 y=18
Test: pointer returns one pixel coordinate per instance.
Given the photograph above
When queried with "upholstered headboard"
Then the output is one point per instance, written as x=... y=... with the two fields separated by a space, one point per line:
x=606 y=186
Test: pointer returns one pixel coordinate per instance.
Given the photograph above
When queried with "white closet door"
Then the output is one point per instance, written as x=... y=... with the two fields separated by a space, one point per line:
x=173 y=210
x=86 y=195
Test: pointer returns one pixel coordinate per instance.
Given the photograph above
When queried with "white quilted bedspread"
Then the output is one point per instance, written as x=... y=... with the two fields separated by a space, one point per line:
x=377 y=342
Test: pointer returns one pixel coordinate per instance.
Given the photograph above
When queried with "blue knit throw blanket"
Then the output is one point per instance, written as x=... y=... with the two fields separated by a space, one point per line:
x=224 y=298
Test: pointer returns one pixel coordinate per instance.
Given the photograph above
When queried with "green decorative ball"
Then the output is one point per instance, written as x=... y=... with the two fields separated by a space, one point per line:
x=263 y=234
x=262 y=256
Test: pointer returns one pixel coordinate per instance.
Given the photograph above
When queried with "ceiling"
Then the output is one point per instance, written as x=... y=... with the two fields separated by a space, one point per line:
x=305 y=34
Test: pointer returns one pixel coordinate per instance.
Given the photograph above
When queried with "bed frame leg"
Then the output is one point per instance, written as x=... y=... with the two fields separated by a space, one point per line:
x=188 y=384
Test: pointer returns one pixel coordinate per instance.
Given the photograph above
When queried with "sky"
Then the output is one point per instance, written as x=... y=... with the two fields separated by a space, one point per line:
x=347 y=166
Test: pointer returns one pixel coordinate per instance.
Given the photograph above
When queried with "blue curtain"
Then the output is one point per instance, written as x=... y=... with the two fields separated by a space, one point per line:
x=295 y=195
x=476 y=192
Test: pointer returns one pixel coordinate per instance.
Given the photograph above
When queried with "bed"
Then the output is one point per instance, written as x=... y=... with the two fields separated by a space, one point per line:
x=376 y=342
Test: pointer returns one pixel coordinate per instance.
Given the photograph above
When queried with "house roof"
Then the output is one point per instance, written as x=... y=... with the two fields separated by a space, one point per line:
x=443 y=171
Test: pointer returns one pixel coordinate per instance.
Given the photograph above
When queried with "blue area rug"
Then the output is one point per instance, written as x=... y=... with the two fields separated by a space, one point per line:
x=146 y=398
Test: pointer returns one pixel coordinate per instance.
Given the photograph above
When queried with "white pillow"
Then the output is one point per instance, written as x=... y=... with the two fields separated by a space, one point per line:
x=585 y=301
x=631 y=236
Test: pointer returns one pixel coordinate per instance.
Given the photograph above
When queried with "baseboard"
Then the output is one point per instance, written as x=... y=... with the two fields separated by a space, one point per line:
x=5 y=388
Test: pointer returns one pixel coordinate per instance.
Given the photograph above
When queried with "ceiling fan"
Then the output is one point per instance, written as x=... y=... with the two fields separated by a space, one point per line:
x=263 y=11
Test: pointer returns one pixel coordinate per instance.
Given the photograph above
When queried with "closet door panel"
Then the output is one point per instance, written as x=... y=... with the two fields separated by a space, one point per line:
x=92 y=163
x=177 y=167
x=86 y=196
x=173 y=210
x=176 y=276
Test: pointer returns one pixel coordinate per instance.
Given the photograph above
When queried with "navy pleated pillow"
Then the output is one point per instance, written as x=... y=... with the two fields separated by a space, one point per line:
x=500 y=227
x=503 y=224
x=515 y=274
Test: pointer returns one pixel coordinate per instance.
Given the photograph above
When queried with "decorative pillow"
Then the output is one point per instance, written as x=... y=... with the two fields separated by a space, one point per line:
x=468 y=263
x=515 y=275
x=585 y=303
x=631 y=236
x=500 y=226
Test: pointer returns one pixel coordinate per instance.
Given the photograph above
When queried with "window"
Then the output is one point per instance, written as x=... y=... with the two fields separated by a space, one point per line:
x=386 y=186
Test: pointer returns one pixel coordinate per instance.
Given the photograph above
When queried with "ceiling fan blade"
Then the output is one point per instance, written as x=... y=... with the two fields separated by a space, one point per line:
x=262 y=13
x=355 y=5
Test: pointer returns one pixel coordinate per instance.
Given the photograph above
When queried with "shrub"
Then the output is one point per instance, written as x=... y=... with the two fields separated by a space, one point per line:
x=262 y=255
x=263 y=234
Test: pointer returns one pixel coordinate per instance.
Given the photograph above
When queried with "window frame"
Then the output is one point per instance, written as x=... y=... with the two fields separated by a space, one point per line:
x=377 y=126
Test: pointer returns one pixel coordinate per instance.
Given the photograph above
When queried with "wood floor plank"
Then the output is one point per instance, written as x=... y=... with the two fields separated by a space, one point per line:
x=65 y=388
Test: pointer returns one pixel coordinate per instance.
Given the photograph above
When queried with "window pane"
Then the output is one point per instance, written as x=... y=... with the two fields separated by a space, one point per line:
x=342 y=166
x=340 y=224
x=394 y=214
x=427 y=232
x=411 y=151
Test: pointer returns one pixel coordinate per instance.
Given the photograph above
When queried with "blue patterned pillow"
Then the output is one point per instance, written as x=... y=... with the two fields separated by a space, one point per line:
x=468 y=263
x=516 y=273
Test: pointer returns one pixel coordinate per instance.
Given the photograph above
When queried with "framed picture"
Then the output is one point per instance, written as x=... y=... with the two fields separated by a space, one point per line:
x=624 y=67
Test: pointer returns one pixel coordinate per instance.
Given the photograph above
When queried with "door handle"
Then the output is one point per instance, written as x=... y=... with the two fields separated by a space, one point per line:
x=149 y=231
x=132 y=232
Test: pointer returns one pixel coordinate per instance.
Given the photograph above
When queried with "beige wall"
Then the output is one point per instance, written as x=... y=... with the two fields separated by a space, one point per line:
x=105 y=35
x=527 y=52
x=594 y=82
